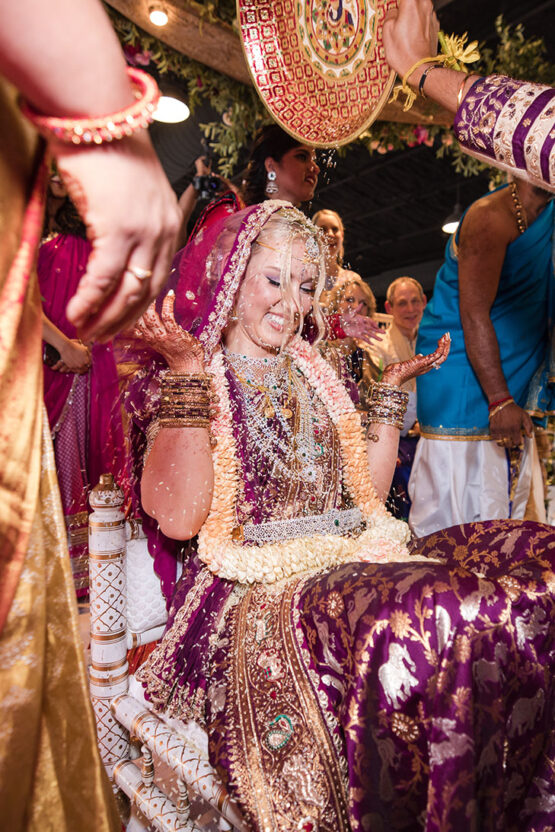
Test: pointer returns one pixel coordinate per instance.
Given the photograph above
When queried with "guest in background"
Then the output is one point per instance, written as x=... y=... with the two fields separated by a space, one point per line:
x=405 y=303
x=334 y=232
x=351 y=296
x=279 y=167
x=81 y=391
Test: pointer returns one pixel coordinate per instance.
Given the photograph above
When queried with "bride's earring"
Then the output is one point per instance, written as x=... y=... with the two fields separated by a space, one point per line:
x=271 y=187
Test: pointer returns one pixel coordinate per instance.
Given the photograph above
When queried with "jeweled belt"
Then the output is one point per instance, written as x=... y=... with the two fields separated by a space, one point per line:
x=335 y=521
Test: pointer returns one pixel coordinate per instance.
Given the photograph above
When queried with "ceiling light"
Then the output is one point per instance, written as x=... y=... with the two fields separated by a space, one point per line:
x=157 y=15
x=451 y=223
x=171 y=110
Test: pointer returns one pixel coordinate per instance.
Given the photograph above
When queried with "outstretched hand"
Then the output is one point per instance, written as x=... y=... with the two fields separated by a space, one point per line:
x=360 y=327
x=409 y=34
x=182 y=351
x=398 y=374
x=131 y=214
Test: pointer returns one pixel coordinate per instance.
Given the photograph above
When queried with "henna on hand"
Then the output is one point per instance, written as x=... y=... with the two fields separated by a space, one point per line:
x=182 y=351
x=403 y=371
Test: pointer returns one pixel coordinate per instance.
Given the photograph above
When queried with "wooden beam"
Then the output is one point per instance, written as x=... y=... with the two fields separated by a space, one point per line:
x=214 y=44
x=218 y=46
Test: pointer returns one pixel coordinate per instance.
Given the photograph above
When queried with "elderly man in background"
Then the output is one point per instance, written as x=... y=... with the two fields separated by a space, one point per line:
x=477 y=459
x=405 y=303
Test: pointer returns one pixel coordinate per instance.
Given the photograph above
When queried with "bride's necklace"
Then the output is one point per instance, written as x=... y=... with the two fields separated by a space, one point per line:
x=289 y=444
x=270 y=376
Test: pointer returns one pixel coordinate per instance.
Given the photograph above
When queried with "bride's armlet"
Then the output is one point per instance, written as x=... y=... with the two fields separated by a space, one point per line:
x=178 y=481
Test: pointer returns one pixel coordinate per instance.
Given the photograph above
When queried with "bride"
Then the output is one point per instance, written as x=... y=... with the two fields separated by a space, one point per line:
x=348 y=677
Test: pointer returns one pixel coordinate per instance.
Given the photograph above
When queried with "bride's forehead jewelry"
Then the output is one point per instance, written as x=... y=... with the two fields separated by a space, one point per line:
x=312 y=250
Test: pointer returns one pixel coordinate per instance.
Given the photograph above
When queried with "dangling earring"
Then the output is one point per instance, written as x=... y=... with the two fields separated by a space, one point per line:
x=271 y=187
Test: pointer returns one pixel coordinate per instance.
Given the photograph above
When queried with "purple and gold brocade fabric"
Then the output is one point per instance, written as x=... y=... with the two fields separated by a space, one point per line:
x=511 y=125
x=411 y=696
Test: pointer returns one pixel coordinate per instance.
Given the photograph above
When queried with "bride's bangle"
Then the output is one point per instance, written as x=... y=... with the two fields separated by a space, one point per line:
x=100 y=129
x=387 y=404
x=185 y=400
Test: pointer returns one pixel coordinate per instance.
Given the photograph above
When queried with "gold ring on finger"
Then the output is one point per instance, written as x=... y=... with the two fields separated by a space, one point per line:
x=139 y=273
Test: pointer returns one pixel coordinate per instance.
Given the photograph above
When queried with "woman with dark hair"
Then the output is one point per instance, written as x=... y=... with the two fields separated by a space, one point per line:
x=279 y=167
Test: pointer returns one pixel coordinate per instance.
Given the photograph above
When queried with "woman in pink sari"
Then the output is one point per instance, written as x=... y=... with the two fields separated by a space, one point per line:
x=81 y=389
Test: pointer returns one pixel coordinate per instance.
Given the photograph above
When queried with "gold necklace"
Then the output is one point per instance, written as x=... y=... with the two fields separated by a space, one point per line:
x=269 y=408
x=521 y=218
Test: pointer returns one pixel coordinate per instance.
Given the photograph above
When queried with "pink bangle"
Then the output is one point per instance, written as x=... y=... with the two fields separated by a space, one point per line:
x=102 y=128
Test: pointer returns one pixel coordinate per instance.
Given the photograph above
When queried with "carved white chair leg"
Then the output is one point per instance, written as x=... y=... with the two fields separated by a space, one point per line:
x=109 y=670
x=153 y=804
x=183 y=805
x=147 y=766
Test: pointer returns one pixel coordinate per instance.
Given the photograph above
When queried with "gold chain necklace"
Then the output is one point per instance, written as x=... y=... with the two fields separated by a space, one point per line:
x=269 y=408
x=521 y=218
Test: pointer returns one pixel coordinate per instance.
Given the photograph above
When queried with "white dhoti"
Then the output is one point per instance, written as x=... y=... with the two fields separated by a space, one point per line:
x=456 y=482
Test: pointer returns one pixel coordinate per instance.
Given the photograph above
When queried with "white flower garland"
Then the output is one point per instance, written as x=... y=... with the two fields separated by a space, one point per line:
x=382 y=541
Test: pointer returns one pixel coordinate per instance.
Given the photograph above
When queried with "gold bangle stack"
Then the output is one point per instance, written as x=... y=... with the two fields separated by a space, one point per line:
x=185 y=401
x=387 y=404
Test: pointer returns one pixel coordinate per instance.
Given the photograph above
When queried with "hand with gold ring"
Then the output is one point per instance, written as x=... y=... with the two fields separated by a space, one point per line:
x=132 y=218
x=509 y=425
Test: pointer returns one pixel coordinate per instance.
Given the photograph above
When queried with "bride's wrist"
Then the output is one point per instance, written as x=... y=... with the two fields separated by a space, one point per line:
x=186 y=365
x=186 y=368
x=391 y=379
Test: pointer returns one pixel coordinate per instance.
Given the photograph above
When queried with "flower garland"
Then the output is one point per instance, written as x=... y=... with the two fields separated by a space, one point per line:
x=382 y=541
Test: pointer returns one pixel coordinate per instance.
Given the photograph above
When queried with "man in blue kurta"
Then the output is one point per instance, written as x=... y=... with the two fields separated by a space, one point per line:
x=477 y=459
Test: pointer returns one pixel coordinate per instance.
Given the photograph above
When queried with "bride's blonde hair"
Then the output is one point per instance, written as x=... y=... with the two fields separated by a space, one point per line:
x=280 y=233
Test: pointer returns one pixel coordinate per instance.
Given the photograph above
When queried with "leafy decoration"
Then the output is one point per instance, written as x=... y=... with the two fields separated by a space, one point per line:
x=242 y=112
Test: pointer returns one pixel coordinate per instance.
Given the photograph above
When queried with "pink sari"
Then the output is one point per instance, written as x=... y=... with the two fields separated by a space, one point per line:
x=83 y=411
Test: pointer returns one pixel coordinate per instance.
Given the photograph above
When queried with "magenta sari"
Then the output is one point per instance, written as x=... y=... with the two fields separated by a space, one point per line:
x=83 y=411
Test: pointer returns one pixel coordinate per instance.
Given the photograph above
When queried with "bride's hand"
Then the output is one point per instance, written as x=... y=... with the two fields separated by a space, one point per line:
x=398 y=374
x=182 y=351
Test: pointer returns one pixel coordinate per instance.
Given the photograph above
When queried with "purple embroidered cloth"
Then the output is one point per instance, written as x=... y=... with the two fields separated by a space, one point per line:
x=411 y=696
x=511 y=125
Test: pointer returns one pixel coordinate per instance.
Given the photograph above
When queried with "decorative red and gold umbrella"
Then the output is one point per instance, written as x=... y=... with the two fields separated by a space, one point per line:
x=319 y=65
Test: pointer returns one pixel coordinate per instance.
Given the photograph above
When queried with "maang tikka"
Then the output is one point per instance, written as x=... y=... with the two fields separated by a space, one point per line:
x=271 y=187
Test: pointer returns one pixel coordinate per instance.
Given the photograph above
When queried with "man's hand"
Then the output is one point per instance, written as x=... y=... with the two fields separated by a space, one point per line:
x=409 y=34
x=510 y=425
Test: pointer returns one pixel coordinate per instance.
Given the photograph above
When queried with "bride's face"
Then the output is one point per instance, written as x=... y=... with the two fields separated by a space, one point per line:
x=264 y=319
